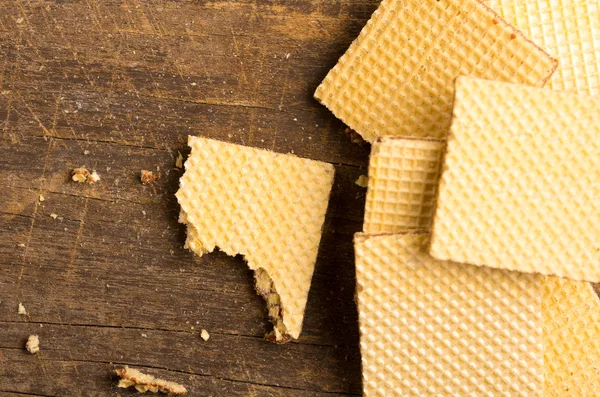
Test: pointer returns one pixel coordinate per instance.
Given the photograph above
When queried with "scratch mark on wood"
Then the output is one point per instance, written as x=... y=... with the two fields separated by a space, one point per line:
x=73 y=252
x=24 y=13
x=211 y=102
x=42 y=126
x=33 y=219
x=237 y=54
x=69 y=45
x=8 y=110
x=56 y=109
x=285 y=88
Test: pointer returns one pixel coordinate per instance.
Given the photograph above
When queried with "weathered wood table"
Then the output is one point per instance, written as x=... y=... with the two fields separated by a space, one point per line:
x=117 y=86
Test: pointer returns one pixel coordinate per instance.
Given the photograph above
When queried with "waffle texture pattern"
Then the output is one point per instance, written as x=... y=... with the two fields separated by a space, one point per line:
x=433 y=328
x=268 y=207
x=403 y=181
x=397 y=77
x=520 y=187
x=567 y=29
x=571 y=337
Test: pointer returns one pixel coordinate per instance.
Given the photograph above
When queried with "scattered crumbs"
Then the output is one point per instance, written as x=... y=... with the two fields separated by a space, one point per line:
x=148 y=177
x=295 y=119
x=22 y=310
x=144 y=212
x=21 y=245
x=33 y=344
x=204 y=335
x=287 y=56
x=86 y=152
x=172 y=252
x=80 y=175
x=19 y=20
x=179 y=161
x=144 y=382
x=354 y=137
x=194 y=84
x=53 y=216
x=144 y=336
x=41 y=198
x=94 y=177
x=362 y=181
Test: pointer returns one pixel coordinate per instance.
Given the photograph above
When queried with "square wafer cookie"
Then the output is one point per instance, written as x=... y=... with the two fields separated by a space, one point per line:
x=572 y=338
x=567 y=29
x=434 y=328
x=397 y=77
x=268 y=207
x=520 y=186
x=403 y=180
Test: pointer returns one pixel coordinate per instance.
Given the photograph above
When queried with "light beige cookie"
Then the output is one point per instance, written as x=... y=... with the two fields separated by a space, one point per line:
x=397 y=77
x=571 y=337
x=268 y=207
x=144 y=382
x=520 y=186
x=567 y=29
x=433 y=328
x=403 y=180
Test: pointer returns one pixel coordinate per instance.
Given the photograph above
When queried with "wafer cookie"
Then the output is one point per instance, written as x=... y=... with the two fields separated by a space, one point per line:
x=434 y=328
x=572 y=338
x=268 y=207
x=403 y=180
x=567 y=29
x=397 y=77
x=520 y=186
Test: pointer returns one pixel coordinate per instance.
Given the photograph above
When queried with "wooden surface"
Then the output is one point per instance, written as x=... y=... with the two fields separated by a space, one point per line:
x=117 y=86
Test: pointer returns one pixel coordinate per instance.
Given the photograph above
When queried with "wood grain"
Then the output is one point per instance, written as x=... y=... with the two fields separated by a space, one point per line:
x=117 y=86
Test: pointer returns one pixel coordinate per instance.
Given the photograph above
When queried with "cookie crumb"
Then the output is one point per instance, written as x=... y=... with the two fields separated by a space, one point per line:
x=21 y=245
x=144 y=382
x=362 y=181
x=93 y=178
x=179 y=161
x=41 y=198
x=80 y=175
x=204 y=335
x=148 y=177
x=33 y=344
x=53 y=216
x=355 y=137
x=22 y=310
x=264 y=286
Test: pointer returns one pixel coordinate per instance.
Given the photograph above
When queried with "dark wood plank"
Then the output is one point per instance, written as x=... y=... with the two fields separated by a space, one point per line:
x=48 y=377
x=117 y=86
x=226 y=357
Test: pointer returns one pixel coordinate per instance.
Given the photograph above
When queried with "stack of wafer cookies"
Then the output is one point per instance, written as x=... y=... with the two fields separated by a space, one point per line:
x=483 y=206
